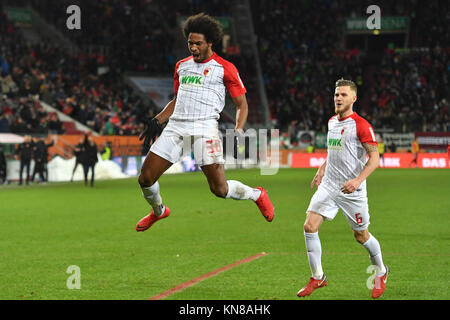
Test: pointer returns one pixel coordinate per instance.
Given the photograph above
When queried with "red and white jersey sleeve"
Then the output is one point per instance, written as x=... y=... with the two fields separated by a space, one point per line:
x=346 y=153
x=201 y=87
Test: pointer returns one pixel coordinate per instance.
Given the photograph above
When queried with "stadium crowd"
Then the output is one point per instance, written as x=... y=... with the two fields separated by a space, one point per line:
x=302 y=55
x=412 y=91
x=27 y=116
x=20 y=110
x=69 y=83
x=137 y=35
x=298 y=65
x=409 y=91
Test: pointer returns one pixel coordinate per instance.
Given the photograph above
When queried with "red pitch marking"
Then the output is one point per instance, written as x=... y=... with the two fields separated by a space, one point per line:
x=205 y=276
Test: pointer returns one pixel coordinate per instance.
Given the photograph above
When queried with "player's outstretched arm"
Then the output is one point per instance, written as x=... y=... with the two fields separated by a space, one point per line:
x=319 y=175
x=153 y=127
x=374 y=158
x=165 y=113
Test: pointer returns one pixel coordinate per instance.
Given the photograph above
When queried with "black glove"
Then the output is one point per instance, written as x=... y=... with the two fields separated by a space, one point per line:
x=152 y=130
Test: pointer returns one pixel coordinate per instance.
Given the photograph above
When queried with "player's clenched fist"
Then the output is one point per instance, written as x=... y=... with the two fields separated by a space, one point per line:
x=350 y=186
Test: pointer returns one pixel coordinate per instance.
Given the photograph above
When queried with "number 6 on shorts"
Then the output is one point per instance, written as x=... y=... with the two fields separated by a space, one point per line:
x=359 y=220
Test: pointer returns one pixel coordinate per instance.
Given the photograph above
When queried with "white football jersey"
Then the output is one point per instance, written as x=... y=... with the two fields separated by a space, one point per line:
x=200 y=87
x=346 y=154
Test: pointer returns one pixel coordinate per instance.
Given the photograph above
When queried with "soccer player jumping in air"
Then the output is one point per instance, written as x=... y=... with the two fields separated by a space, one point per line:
x=341 y=184
x=200 y=81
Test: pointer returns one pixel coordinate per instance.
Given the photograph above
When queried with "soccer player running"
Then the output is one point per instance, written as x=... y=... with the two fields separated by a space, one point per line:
x=200 y=81
x=341 y=184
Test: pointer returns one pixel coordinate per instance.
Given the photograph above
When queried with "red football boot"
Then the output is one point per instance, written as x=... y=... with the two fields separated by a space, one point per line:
x=265 y=205
x=312 y=285
x=379 y=284
x=147 y=221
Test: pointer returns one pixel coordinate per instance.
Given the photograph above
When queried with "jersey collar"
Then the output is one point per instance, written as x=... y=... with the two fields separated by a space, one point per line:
x=353 y=114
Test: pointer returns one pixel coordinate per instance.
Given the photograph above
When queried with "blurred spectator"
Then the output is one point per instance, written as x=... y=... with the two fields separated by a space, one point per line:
x=392 y=147
x=415 y=150
x=24 y=152
x=381 y=147
x=54 y=125
x=106 y=152
x=38 y=156
x=89 y=159
x=78 y=151
x=108 y=127
x=3 y=166
x=4 y=123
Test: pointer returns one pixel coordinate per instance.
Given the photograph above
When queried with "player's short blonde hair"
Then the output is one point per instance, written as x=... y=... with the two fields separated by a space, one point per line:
x=347 y=83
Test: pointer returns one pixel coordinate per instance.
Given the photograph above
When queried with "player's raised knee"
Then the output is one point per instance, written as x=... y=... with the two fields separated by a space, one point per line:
x=145 y=178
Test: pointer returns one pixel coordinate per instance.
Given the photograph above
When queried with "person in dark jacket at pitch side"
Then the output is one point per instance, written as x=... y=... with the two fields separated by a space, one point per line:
x=78 y=153
x=24 y=152
x=89 y=159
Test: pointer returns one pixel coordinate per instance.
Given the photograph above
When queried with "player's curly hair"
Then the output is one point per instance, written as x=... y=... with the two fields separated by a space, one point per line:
x=206 y=25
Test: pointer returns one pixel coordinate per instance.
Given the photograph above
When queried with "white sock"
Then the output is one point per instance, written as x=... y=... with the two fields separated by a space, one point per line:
x=373 y=247
x=151 y=194
x=314 y=251
x=239 y=191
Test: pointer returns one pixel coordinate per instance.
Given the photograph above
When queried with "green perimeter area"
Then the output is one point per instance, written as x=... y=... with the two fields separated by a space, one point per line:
x=45 y=229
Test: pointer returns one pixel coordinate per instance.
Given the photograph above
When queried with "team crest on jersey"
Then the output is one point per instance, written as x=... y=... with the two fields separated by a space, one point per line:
x=206 y=71
x=342 y=131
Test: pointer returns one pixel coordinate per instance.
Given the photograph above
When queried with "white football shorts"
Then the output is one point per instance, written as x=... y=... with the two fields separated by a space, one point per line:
x=181 y=138
x=328 y=200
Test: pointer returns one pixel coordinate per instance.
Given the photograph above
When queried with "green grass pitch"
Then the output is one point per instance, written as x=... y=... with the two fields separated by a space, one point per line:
x=45 y=229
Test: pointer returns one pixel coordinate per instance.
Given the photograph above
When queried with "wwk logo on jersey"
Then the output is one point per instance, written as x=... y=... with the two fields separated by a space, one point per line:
x=335 y=144
x=192 y=80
